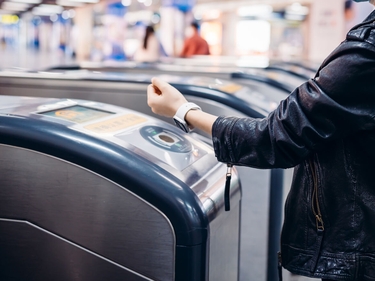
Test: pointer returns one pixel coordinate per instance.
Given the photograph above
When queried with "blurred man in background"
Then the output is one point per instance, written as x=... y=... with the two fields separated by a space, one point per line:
x=194 y=44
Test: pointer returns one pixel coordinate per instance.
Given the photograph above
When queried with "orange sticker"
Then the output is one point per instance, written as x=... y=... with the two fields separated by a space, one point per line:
x=68 y=114
x=116 y=124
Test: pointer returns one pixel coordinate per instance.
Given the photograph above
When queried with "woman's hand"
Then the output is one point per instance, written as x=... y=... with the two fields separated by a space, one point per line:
x=163 y=98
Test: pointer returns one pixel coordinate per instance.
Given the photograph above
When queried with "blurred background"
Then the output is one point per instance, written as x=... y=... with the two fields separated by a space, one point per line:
x=41 y=33
x=155 y=37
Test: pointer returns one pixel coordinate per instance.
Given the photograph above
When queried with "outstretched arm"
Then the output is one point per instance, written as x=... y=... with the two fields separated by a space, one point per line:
x=165 y=100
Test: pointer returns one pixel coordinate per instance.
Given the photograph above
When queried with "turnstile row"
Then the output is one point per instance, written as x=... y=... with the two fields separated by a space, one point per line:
x=114 y=89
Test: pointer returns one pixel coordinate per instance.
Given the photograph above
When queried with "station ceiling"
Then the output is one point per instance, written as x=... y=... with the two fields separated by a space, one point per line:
x=139 y=6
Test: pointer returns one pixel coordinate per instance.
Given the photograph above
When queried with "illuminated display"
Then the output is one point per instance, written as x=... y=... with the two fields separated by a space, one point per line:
x=77 y=114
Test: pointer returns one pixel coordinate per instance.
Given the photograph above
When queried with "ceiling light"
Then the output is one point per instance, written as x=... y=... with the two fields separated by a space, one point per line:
x=41 y=13
x=212 y=14
x=12 y=6
x=65 y=15
x=297 y=9
x=255 y=10
x=155 y=18
x=46 y=9
x=69 y=3
x=72 y=13
x=85 y=1
x=50 y=7
x=197 y=16
x=54 y=17
x=126 y=2
x=5 y=12
x=138 y=16
x=27 y=1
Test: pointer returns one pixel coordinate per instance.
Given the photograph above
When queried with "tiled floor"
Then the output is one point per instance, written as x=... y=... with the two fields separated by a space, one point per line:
x=21 y=58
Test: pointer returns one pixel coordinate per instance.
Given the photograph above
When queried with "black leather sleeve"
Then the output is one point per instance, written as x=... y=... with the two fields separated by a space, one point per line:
x=338 y=102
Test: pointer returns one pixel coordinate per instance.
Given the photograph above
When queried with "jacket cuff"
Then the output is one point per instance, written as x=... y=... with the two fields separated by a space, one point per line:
x=221 y=138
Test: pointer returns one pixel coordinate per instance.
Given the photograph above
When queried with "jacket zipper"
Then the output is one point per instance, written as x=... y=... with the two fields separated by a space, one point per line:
x=279 y=266
x=318 y=216
x=315 y=199
x=318 y=219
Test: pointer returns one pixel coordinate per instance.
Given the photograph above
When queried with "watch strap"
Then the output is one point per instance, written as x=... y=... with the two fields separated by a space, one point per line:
x=182 y=111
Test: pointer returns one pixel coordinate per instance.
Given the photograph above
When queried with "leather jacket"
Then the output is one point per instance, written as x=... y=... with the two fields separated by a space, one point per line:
x=325 y=129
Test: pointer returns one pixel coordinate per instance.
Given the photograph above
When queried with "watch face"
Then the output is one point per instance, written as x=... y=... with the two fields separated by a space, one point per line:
x=181 y=126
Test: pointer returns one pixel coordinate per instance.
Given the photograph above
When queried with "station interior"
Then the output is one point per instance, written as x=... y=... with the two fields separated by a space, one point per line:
x=95 y=186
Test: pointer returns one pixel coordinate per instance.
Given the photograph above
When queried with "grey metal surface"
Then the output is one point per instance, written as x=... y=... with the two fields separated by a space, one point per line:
x=11 y=101
x=31 y=259
x=190 y=167
x=253 y=206
x=129 y=95
x=224 y=259
x=102 y=217
x=192 y=67
x=218 y=72
x=97 y=205
x=259 y=96
x=255 y=183
x=224 y=233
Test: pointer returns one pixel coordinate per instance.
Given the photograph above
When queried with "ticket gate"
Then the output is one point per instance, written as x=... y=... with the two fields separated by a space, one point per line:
x=215 y=96
x=303 y=70
x=279 y=77
x=92 y=191
x=292 y=69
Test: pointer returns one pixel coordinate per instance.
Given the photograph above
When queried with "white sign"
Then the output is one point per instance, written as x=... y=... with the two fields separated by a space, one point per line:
x=327 y=28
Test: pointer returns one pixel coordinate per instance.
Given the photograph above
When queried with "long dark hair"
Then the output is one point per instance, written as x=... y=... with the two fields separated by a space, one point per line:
x=149 y=30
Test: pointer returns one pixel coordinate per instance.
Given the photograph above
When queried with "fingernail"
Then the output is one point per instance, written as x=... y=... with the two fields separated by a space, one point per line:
x=157 y=90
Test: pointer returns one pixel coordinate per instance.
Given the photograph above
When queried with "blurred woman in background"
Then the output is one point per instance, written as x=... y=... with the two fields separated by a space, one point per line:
x=149 y=51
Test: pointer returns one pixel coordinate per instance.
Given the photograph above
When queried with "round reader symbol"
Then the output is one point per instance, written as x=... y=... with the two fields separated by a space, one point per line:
x=166 y=139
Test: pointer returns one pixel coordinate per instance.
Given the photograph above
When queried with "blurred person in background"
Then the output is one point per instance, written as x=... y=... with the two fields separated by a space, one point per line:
x=150 y=50
x=325 y=129
x=194 y=43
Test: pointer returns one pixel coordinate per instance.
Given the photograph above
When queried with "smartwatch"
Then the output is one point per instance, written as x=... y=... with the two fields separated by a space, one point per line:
x=179 y=117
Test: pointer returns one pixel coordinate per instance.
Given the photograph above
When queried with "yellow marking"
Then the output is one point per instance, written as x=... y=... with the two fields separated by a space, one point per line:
x=116 y=124
x=230 y=88
x=273 y=76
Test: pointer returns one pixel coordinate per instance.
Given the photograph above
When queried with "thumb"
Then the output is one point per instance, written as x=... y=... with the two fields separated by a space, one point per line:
x=160 y=84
